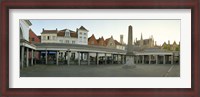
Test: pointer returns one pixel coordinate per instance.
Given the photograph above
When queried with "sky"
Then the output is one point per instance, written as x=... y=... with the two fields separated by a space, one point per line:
x=161 y=30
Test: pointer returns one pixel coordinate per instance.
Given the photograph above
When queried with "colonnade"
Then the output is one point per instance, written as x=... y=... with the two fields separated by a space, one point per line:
x=27 y=56
x=154 y=59
x=77 y=57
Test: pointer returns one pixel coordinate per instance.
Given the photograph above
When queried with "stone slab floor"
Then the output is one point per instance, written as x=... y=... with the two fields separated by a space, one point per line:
x=142 y=70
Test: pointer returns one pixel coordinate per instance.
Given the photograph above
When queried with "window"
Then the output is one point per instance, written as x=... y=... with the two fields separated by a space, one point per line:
x=73 y=42
x=80 y=32
x=48 y=38
x=84 y=37
x=80 y=37
x=33 y=39
x=44 y=37
x=66 y=33
x=67 y=41
x=85 y=34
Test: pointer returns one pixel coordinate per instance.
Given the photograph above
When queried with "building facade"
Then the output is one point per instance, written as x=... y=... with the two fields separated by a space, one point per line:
x=49 y=36
x=65 y=36
x=146 y=43
x=109 y=42
x=171 y=47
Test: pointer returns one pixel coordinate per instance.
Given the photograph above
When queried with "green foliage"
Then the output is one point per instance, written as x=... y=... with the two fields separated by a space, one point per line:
x=178 y=48
x=167 y=47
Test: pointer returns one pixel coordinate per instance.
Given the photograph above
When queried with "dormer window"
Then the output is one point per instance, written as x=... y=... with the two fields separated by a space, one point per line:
x=67 y=33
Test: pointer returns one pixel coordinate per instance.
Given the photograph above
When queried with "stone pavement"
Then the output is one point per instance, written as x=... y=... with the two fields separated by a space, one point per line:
x=142 y=70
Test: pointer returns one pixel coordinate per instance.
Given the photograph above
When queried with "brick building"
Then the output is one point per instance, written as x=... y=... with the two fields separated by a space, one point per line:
x=33 y=38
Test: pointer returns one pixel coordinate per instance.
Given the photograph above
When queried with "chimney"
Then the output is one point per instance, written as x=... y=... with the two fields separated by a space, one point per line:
x=43 y=29
x=168 y=42
x=155 y=43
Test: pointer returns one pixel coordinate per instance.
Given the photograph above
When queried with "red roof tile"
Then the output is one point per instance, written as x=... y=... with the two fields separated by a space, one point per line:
x=49 y=32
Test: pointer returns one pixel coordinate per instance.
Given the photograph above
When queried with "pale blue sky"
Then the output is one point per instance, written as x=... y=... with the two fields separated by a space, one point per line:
x=162 y=30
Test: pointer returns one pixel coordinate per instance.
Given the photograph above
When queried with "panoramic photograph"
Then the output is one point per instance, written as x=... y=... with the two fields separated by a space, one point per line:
x=99 y=47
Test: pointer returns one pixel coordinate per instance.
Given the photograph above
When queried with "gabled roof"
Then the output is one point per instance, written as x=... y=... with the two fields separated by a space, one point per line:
x=49 y=32
x=92 y=37
x=100 y=39
x=83 y=28
x=106 y=41
x=117 y=43
x=174 y=43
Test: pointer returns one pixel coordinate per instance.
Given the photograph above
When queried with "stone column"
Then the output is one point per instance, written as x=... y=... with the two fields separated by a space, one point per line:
x=149 y=59
x=117 y=58
x=32 y=57
x=68 y=58
x=22 y=57
x=164 y=61
x=35 y=56
x=129 y=54
x=105 y=59
x=97 y=58
x=46 y=57
x=156 y=59
x=122 y=59
x=142 y=59
x=81 y=56
x=79 y=63
x=57 y=54
x=112 y=58
x=172 y=59
x=136 y=62
x=88 y=58
x=27 y=56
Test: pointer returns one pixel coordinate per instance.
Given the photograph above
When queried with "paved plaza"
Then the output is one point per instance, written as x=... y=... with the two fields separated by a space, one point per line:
x=142 y=70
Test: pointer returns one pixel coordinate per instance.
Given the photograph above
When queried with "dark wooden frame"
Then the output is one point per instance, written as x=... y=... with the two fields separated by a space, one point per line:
x=99 y=4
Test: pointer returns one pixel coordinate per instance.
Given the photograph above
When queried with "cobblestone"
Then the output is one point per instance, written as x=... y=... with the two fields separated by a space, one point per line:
x=141 y=70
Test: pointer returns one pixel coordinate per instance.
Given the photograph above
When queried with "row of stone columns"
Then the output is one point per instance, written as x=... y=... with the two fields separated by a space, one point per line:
x=88 y=58
x=27 y=56
x=156 y=59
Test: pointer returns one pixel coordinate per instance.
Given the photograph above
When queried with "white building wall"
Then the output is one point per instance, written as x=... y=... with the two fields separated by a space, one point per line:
x=25 y=29
x=52 y=38
x=120 y=47
x=82 y=37
x=68 y=40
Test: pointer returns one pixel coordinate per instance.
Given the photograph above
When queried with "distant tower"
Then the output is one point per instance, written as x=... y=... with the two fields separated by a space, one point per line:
x=141 y=40
x=168 y=42
x=121 y=39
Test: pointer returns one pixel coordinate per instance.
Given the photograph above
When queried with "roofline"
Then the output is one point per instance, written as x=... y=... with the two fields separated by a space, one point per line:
x=28 y=22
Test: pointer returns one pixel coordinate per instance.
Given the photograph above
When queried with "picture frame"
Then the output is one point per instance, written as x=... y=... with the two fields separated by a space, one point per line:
x=103 y=4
